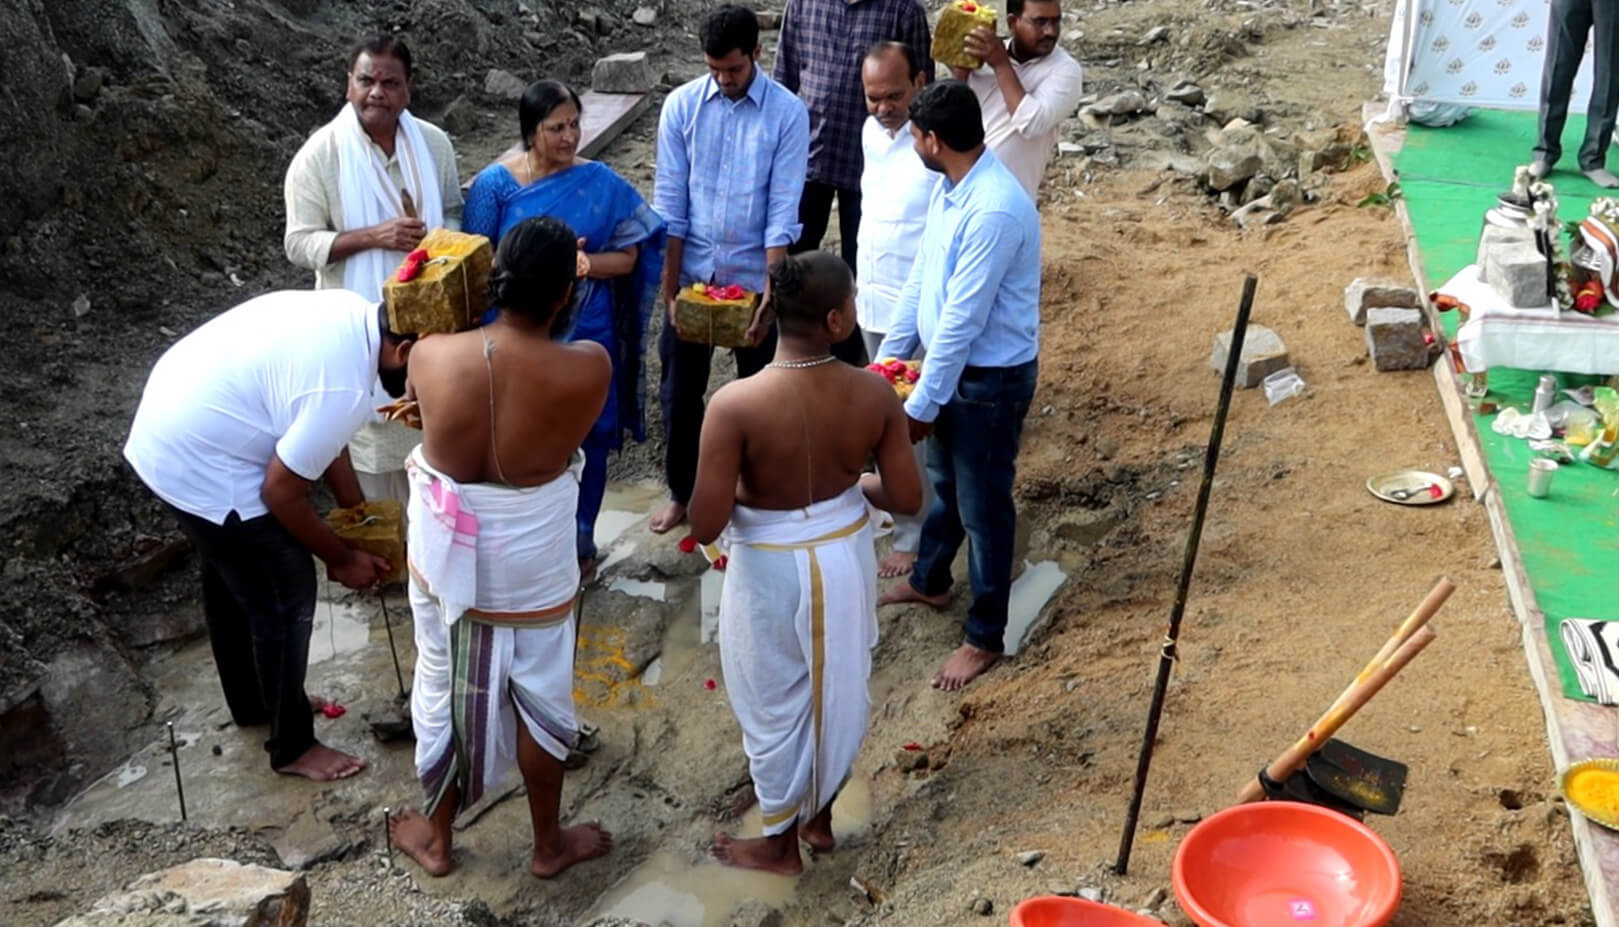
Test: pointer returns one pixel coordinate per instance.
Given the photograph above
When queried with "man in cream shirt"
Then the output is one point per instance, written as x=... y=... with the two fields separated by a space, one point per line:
x=361 y=193
x=895 y=188
x=1027 y=86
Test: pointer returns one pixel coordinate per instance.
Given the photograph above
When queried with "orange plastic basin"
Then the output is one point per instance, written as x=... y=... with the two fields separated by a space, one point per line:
x=1060 y=911
x=1285 y=864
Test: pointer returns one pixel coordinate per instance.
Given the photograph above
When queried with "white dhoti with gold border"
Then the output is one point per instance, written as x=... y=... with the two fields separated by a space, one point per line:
x=798 y=621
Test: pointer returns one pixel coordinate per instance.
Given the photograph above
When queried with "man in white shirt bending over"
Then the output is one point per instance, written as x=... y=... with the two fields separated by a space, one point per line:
x=1027 y=86
x=894 y=187
x=238 y=419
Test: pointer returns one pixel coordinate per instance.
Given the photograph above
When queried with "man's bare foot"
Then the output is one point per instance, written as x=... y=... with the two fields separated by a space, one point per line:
x=571 y=845
x=673 y=514
x=818 y=832
x=898 y=563
x=905 y=592
x=765 y=854
x=323 y=764
x=963 y=666
x=413 y=833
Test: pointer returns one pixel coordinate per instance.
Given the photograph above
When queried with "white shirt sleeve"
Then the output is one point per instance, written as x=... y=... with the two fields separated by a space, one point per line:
x=1051 y=101
x=322 y=422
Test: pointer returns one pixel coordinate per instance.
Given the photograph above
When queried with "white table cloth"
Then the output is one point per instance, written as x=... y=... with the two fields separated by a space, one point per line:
x=1499 y=335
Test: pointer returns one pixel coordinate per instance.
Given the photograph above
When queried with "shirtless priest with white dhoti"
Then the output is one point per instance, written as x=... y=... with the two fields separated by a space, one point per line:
x=494 y=576
x=779 y=472
x=361 y=193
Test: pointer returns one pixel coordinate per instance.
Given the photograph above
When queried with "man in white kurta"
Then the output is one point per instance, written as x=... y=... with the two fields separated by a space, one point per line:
x=1026 y=87
x=361 y=193
x=895 y=186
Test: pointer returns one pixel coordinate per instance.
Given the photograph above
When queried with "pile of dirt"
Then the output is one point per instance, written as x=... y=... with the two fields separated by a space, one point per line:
x=148 y=144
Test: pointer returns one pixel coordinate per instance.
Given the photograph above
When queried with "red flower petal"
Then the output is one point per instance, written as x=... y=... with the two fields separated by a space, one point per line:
x=710 y=685
x=913 y=746
x=333 y=710
x=719 y=564
x=688 y=544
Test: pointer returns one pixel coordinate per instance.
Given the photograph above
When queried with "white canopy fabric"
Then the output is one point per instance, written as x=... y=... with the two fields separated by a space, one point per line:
x=1480 y=53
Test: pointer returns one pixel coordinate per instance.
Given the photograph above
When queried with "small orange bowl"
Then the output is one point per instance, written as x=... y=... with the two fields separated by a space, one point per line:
x=1061 y=911
x=1285 y=863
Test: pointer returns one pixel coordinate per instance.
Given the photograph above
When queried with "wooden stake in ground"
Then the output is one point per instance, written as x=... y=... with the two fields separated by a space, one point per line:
x=1358 y=694
x=1166 y=657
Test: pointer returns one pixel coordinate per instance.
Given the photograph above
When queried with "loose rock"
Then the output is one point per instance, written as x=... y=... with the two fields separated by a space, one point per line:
x=1394 y=338
x=1186 y=93
x=216 y=892
x=503 y=85
x=628 y=72
x=1366 y=293
x=644 y=16
x=1030 y=857
x=983 y=907
x=1517 y=271
x=1263 y=353
x=88 y=86
x=1155 y=34
x=1231 y=166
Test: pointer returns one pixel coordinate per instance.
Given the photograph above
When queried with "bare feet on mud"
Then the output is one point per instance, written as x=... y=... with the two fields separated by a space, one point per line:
x=413 y=833
x=818 y=832
x=898 y=563
x=764 y=854
x=905 y=592
x=572 y=845
x=323 y=764
x=673 y=514
x=963 y=666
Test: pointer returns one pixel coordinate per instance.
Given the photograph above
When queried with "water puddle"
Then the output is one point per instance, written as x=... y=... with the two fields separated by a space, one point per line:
x=1030 y=593
x=623 y=507
x=667 y=890
x=340 y=627
x=650 y=589
x=126 y=774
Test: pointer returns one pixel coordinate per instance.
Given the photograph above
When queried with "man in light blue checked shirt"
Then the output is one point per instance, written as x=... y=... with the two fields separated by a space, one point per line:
x=733 y=149
x=972 y=302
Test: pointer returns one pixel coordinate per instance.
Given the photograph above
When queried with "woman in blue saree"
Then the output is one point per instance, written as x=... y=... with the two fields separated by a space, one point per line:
x=623 y=241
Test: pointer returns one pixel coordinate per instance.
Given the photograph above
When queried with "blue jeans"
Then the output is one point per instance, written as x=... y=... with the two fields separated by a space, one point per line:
x=972 y=460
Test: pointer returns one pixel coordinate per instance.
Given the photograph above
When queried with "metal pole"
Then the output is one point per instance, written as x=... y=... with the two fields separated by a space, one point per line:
x=174 y=757
x=1166 y=657
x=387 y=840
x=392 y=651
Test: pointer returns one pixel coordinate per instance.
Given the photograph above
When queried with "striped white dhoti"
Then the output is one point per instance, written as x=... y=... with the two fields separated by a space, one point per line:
x=798 y=620
x=504 y=652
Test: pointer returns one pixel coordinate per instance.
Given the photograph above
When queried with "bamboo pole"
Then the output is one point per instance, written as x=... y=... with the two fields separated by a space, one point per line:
x=1417 y=619
x=1356 y=696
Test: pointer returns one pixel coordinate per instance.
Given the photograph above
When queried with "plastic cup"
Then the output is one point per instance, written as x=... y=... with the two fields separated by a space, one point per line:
x=1541 y=470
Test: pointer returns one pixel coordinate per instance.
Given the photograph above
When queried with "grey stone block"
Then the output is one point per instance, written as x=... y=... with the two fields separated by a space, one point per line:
x=1364 y=293
x=1394 y=338
x=626 y=72
x=1495 y=237
x=1263 y=353
x=1518 y=273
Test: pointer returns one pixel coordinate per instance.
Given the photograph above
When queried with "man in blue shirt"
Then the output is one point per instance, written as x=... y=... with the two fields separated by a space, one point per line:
x=972 y=302
x=733 y=148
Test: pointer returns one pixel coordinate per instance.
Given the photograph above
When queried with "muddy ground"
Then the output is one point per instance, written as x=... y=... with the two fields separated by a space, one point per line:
x=147 y=182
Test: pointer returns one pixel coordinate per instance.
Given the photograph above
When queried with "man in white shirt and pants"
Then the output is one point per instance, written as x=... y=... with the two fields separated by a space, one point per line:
x=237 y=420
x=1026 y=87
x=895 y=187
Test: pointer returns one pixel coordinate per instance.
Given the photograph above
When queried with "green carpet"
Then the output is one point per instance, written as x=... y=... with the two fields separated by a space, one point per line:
x=1569 y=541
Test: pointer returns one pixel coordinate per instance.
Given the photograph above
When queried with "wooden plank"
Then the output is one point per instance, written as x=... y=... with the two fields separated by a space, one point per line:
x=606 y=117
x=1575 y=730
